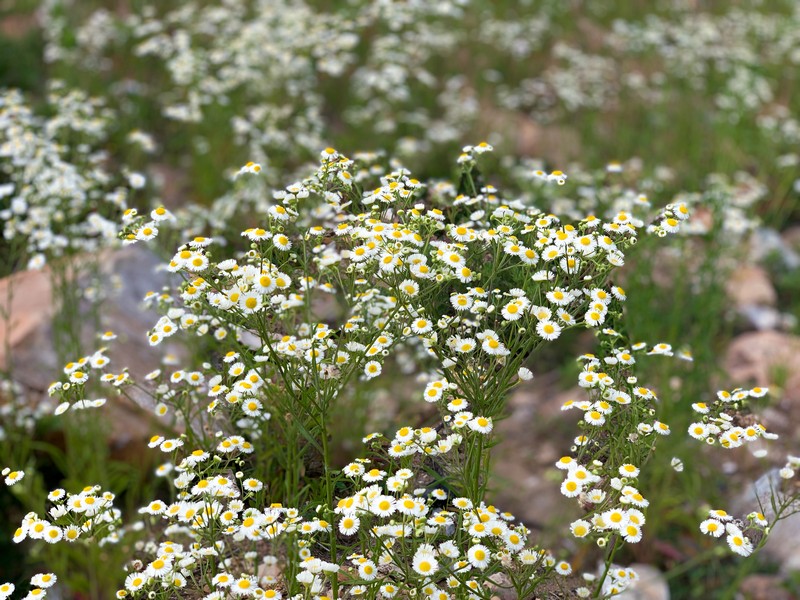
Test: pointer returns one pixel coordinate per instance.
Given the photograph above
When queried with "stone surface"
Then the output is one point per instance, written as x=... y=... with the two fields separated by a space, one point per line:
x=791 y=237
x=764 y=587
x=762 y=358
x=18 y=26
x=557 y=144
x=750 y=285
x=534 y=436
x=768 y=242
x=33 y=308
x=783 y=545
x=770 y=358
x=651 y=585
x=25 y=307
x=30 y=332
x=763 y=318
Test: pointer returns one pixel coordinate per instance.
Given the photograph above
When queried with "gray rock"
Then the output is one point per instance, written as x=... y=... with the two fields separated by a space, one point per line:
x=769 y=241
x=762 y=318
x=33 y=309
x=651 y=585
x=128 y=274
x=783 y=545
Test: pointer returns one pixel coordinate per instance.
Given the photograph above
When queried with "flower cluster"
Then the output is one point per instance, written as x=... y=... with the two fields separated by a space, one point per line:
x=723 y=422
x=78 y=379
x=40 y=583
x=18 y=417
x=606 y=486
x=89 y=514
x=142 y=228
x=58 y=197
x=12 y=477
x=352 y=267
x=467 y=279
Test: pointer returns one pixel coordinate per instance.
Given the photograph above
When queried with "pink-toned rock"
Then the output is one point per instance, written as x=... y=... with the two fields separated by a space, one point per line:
x=750 y=285
x=25 y=306
x=557 y=144
x=17 y=26
x=791 y=237
x=525 y=458
x=760 y=357
x=764 y=587
x=29 y=330
x=770 y=359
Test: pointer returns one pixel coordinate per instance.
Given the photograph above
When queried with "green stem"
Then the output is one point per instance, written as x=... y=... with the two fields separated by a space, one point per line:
x=609 y=560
